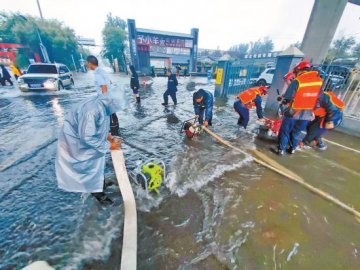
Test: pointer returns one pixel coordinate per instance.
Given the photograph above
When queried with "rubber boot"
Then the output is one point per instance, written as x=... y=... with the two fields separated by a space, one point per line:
x=102 y=198
x=137 y=99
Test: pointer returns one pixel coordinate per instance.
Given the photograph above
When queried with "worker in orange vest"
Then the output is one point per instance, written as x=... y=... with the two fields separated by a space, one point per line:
x=248 y=99
x=327 y=116
x=300 y=100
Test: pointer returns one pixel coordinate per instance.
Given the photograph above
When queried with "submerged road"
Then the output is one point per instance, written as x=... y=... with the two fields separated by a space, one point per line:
x=218 y=210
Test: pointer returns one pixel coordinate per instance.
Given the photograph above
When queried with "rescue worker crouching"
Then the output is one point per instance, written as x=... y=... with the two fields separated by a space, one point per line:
x=203 y=102
x=171 y=88
x=247 y=100
x=300 y=100
x=327 y=116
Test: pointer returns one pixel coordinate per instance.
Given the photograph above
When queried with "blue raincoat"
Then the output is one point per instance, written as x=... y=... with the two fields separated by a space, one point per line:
x=82 y=144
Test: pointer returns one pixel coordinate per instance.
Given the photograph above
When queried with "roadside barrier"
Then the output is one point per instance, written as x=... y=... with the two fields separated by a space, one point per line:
x=271 y=164
x=129 y=246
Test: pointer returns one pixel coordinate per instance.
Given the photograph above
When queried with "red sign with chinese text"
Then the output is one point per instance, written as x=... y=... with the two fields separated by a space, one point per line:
x=146 y=39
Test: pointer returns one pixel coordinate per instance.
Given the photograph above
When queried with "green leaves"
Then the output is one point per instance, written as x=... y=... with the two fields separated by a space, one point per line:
x=114 y=37
x=59 y=40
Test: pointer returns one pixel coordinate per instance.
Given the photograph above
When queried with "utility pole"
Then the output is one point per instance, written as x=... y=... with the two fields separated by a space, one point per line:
x=39 y=7
x=72 y=56
x=41 y=45
x=43 y=48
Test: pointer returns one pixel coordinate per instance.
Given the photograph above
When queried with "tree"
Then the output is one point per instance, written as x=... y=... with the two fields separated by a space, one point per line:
x=59 y=40
x=340 y=48
x=261 y=46
x=356 y=51
x=297 y=44
x=114 y=37
x=239 y=50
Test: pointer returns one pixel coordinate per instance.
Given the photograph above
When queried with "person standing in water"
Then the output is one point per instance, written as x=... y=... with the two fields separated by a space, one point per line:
x=102 y=83
x=134 y=83
x=171 y=88
x=6 y=77
x=83 y=143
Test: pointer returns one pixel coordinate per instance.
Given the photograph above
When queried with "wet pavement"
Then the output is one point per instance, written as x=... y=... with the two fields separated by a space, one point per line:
x=218 y=209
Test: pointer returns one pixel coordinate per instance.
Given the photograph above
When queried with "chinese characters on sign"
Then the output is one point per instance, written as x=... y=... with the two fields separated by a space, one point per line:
x=145 y=39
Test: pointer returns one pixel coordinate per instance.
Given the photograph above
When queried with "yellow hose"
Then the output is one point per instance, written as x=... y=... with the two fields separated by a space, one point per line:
x=271 y=164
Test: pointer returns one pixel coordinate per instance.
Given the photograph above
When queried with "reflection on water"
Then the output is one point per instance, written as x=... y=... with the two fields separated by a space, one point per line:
x=218 y=210
x=58 y=111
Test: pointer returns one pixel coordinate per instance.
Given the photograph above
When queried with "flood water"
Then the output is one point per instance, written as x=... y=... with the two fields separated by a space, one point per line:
x=218 y=209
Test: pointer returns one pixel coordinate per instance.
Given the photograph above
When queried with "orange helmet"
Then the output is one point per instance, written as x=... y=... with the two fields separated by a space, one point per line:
x=263 y=90
x=289 y=76
x=303 y=65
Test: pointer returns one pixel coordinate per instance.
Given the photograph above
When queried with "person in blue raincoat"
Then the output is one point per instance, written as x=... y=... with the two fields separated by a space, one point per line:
x=171 y=88
x=203 y=106
x=83 y=143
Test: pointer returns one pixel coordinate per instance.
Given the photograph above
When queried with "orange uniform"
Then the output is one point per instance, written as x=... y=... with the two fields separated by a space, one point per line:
x=308 y=92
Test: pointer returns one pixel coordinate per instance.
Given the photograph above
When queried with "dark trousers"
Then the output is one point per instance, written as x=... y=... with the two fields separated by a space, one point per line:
x=313 y=130
x=259 y=110
x=170 y=93
x=114 y=125
x=4 y=80
x=243 y=112
x=202 y=116
x=290 y=132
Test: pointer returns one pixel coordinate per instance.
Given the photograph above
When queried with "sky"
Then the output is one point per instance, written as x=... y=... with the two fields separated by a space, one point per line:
x=221 y=23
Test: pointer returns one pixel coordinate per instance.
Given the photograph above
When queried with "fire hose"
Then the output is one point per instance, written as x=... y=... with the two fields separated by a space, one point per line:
x=271 y=164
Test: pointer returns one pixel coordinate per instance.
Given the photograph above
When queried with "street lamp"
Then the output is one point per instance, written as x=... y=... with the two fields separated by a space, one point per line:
x=42 y=47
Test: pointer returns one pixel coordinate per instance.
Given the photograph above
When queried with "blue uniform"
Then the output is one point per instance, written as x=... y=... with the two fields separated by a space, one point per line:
x=134 y=81
x=316 y=128
x=243 y=111
x=293 y=123
x=205 y=107
x=171 y=89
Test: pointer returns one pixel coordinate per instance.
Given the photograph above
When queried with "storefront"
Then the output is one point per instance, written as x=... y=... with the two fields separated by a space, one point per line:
x=160 y=50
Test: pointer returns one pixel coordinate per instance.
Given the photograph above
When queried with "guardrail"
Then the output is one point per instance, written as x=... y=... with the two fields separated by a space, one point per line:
x=129 y=246
x=351 y=96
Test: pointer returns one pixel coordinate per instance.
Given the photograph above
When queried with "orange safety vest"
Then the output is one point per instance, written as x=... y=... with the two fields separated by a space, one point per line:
x=248 y=95
x=308 y=91
x=334 y=100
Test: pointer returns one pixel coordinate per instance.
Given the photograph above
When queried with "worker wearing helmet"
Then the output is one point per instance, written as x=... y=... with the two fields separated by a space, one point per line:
x=248 y=99
x=300 y=100
x=203 y=106
x=328 y=115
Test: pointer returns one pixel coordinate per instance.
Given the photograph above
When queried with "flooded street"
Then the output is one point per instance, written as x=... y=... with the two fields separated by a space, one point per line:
x=218 y=209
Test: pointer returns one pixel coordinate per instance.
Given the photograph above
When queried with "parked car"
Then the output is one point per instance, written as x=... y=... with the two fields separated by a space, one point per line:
x=46 y=76
x=336 y=77
x=266 y=77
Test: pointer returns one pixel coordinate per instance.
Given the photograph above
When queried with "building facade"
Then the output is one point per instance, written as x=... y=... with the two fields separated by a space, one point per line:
x=159 y=49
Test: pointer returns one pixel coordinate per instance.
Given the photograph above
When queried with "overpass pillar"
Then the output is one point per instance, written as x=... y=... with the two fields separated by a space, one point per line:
x=324 y=19
x=286 y=61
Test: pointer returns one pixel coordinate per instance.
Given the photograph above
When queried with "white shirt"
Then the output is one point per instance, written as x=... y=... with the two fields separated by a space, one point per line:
x=101 y=78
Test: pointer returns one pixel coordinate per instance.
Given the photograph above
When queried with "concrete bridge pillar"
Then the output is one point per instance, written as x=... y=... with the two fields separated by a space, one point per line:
x=321 y=28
